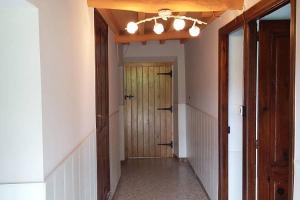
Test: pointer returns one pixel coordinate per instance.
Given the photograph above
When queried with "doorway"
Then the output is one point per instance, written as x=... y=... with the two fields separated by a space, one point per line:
x=268 y=105
x=148 y=110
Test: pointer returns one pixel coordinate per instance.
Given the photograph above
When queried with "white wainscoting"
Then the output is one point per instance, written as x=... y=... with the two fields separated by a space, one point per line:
x=114 y=151
x=76 y=177
x=22 y=191
x=202 y=148
x=182 y=130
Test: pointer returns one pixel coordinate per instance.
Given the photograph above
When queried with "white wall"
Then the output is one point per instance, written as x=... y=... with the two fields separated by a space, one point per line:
x=29 y=191
x=168 y=50
x=235 y=119
x=76 y=177
x=67 y=68
x=68 y=93
x=114 y=113
x=21 y=150
x=201 y=57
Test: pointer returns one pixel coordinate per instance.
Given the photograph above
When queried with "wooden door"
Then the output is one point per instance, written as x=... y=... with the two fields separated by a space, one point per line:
x=102 y=115
x=148 y=110
x=275 y=111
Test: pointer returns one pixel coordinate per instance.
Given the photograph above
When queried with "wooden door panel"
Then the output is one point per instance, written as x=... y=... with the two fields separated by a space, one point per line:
x=162 y=94
x=145 y=105
x=146 y=126
x=274 y=110
x=127 y=110
x=151 y=111
x=134 y=112
x=169 y=116
x=157 y=116
x=102 y=115
x=140 y=121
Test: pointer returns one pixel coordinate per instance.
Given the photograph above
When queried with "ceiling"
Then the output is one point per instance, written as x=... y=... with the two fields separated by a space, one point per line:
x=117 y=13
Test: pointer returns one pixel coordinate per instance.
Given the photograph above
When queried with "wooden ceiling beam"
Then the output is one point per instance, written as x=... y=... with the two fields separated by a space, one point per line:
x=182 y=41
x=142 y=38
x=110 y=20
x=152 y=6
x=141 y=16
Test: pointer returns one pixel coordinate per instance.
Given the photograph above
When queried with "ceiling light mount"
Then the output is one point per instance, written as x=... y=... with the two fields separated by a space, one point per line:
x=165 y=14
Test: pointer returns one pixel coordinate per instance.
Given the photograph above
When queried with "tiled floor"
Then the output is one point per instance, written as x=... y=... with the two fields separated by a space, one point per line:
x=158 y=179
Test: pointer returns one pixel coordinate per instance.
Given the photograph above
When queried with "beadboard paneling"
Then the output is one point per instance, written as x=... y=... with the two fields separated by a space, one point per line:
x=202 y=148
x=75 y=178
x=114 y=151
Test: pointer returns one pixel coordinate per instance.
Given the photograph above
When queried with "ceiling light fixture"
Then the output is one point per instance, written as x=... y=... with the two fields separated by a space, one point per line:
x=165 y=14
x=158 y=28
x=132 y=27
x=194 y=31
x=179 y=24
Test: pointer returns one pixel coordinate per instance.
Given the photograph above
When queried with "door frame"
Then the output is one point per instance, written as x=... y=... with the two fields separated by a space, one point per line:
x=247 y=20
x=166 y=59
x=99 y=21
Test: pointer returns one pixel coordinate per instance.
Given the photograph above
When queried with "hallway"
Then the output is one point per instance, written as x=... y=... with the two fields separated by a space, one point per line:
x=153 y=179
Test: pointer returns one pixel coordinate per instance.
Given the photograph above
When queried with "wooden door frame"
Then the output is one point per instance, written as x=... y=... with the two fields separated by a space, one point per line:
x=248 y=21
x=103 y=24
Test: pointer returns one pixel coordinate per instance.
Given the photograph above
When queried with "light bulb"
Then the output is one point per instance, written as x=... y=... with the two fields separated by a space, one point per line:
x=179 y=24
x=158 y=28
x=132 y=27
x=194 y=31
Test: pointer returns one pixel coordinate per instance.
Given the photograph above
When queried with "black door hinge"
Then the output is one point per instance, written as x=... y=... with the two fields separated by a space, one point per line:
x=167 y=74
x=168 y=109
x=228 y=129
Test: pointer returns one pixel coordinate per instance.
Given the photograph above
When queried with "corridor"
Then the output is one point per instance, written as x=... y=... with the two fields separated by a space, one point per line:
x=163 y=179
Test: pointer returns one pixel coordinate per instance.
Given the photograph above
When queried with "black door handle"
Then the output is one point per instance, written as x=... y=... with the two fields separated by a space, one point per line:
x=167 y=144
x=128 y=97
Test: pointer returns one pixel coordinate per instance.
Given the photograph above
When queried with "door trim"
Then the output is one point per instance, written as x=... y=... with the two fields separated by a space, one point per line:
x=248 y=21
x=99 y=21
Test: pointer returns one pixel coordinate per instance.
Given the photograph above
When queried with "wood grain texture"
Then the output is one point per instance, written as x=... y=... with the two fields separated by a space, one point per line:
x=152 y=6
x=249 y=120
x=247 y=19
x=274 y=110
x=174 y=35
x=102 y=112
x=146 y=126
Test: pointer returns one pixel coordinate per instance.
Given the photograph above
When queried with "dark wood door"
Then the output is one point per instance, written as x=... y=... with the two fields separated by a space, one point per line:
x=275 y=111
x=102 y=112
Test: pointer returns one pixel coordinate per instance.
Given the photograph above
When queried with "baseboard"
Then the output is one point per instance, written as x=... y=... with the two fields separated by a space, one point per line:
x=180 y=159
x=123 y=162
x=200 y=182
